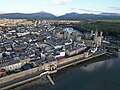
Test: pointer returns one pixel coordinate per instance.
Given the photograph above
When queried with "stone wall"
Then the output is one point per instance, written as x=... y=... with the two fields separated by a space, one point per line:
x=34 y=70
x=50 y=66
x=19 y=75
x=59 y=62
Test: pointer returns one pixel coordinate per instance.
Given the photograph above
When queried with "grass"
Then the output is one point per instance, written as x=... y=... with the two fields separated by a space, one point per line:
x=109 y=27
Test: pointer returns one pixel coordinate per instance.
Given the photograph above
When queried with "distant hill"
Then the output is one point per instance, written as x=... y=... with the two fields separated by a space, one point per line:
x=42 y=15
x=73 y=16
x=110 y=14
x=76 y=16
x=90 y=16
x=39 y=15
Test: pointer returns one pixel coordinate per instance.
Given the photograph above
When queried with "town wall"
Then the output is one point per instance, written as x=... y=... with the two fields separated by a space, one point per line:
x=18 y=75
x=59 y=62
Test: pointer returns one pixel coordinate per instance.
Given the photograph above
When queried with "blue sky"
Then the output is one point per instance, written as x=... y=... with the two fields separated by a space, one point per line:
x=59 y=7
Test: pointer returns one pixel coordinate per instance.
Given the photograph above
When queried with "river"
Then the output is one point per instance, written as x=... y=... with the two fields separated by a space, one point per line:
x=101 y=73
x=70 y=30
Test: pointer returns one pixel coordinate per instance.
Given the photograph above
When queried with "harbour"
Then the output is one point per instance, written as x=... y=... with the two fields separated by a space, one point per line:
x=75 y=74
x=66 y=64
x=60 y=45
x=30 y=61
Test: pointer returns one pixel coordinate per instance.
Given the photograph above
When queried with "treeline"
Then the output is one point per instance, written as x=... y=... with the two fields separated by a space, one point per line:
x=111 y=27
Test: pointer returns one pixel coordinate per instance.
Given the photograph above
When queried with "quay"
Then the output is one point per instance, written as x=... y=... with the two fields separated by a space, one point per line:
x=5 y=82
x=80 y=61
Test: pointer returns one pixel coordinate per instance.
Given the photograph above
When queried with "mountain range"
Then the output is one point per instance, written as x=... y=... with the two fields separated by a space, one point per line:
x=73 y=16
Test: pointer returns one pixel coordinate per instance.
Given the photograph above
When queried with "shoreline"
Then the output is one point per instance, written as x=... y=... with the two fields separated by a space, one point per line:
x=73 y=64
x=37 y=85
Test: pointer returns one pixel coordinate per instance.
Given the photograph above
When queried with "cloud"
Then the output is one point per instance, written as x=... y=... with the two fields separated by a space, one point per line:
x=115 y=8
x=61 y=2
x=87 y=3
x=2 y=12
x=86 y=10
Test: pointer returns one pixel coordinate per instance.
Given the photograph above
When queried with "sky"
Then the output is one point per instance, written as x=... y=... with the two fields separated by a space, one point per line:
x=59 y=7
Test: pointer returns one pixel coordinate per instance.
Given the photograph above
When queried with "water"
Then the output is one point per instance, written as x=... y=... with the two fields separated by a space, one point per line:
x=71 y=30
x=102 y=75
x=99 y=74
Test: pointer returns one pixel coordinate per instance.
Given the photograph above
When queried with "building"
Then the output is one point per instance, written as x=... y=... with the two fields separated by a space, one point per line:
x=93 y=39
x=73 y=50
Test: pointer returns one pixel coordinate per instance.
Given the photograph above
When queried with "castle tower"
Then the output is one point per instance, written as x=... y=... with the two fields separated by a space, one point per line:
x=99 y=41
x=91 y=34
x=101 y=33
x=68 y=36
x=95 y=37
x=65 y=35
x=96 y=33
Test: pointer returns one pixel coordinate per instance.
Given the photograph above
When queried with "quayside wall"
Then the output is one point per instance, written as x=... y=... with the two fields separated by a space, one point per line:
x=19 y=75
x=62 y=63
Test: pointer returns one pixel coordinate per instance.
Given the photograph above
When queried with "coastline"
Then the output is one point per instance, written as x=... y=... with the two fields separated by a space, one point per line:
x=39 y=85
x=71 y=62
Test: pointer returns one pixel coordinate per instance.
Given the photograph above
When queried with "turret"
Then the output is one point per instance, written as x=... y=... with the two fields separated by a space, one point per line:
x=96 y=33
x=101 y=33
x=91 y=34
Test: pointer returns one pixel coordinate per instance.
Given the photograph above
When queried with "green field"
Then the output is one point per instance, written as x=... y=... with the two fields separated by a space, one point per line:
x=109 y=27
